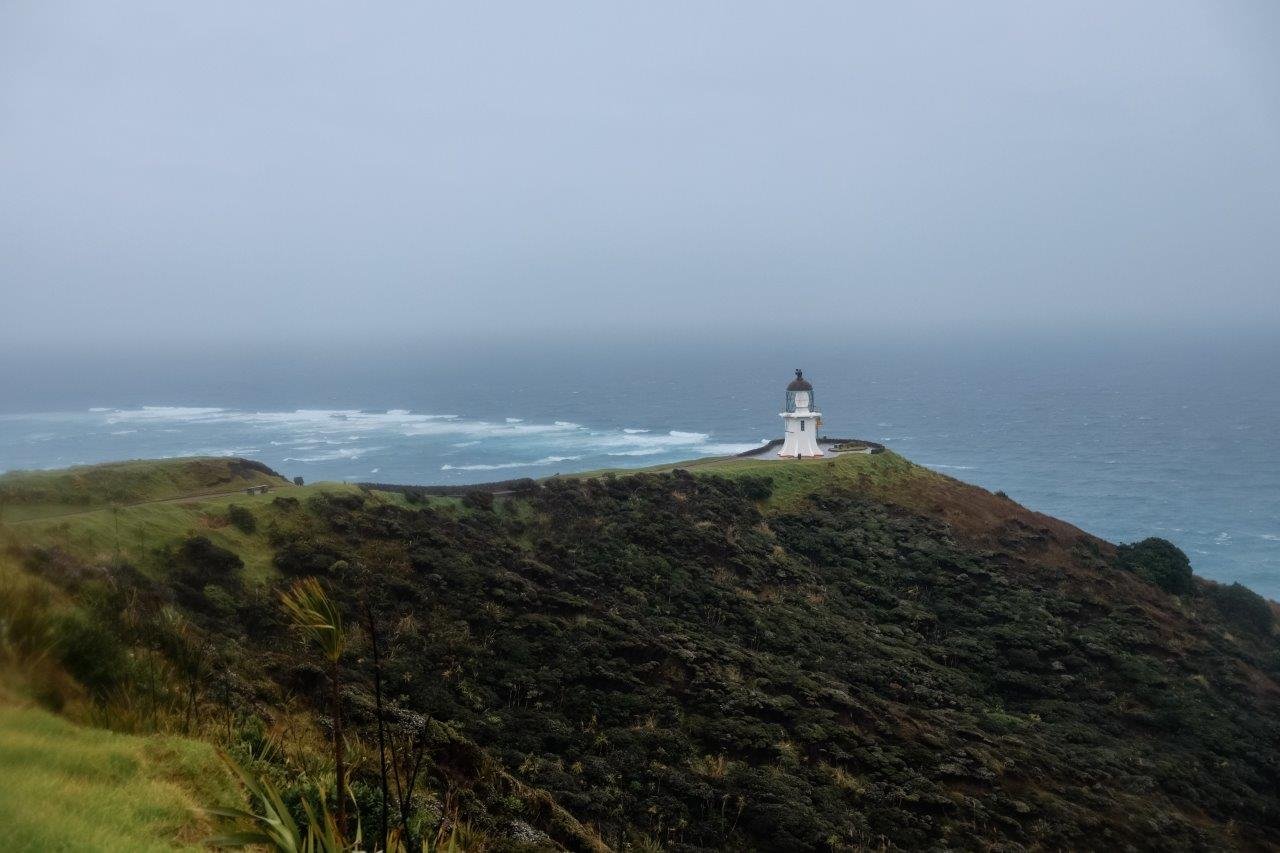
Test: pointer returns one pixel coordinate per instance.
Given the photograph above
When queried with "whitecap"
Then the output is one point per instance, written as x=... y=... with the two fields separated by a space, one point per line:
x=633 y=431
x=546 y=460
x=165 y=413
x=334 y=455
x=726 y=449
x=515 y=420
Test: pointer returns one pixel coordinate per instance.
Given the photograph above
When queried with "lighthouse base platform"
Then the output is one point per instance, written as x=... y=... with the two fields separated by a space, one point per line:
x=828 y=446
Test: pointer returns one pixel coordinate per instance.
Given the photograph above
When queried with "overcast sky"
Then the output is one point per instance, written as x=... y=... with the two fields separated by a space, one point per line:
x=219 y=170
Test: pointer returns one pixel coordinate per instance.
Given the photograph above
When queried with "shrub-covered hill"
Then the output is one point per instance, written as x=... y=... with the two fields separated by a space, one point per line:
x=825 y=655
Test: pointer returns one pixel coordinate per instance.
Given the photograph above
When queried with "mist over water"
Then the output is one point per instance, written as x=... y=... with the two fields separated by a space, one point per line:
x=1126 y=439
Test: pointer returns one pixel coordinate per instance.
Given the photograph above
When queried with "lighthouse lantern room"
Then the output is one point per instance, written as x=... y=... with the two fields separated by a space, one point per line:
x=800 y=421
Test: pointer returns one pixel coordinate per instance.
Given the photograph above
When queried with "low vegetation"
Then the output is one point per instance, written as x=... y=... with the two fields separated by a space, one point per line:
x=27 y=494
x=832 y=654
x=68 y=787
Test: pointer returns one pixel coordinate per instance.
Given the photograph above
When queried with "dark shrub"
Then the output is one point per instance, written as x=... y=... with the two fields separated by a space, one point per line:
x=297 y=481
x=241 y=519
x=1242 y=607
x=198 y=562
x=328 y=504
x=756 y=488
x=303 y=555
x=89 y=650
x=1158 y=561
x=477 y=500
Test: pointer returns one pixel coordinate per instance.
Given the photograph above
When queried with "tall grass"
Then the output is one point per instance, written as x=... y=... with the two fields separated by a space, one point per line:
x=65 y=787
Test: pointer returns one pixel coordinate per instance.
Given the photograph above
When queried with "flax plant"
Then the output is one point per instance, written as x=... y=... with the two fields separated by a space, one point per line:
x=315 y=616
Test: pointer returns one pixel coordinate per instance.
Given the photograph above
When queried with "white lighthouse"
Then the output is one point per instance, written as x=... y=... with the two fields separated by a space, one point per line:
x=800 y=420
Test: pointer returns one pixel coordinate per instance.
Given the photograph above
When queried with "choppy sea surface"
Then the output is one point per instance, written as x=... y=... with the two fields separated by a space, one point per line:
x=1126 y=440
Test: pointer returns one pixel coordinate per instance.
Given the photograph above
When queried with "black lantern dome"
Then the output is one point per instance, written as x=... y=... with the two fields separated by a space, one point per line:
x=800 y=383
x=801 y=386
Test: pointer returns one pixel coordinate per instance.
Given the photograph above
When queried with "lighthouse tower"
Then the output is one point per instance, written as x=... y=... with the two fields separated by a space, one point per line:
x=800 y=420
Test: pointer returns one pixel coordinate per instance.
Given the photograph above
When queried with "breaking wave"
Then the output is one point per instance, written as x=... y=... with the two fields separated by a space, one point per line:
x=497 y=466
x=404 y=444
x=335 y=455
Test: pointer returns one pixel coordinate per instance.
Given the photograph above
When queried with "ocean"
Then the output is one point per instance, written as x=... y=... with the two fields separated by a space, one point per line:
x=1124 y=438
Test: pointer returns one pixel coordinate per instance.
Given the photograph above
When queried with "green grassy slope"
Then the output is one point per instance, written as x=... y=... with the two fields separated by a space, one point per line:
x=130 y=511
x=36 y=494
x=139 y=533
x=66 y=787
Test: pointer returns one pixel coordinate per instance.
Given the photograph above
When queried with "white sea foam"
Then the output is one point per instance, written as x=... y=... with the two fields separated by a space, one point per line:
x=335 y=455
x=546 y=460
x=344 y=434
x=164 y=413
x=726 y=449
x=211 y=451
x=950 y=467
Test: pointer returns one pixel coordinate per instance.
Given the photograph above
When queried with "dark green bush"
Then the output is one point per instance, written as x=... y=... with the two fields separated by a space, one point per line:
x=756 y=488
x=90 y=650
x=1242 y=607
x=1158 y=561
x=198 y=561
x=241 y=519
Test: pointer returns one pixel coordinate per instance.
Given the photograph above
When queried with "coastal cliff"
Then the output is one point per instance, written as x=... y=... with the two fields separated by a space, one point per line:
x=843 y=653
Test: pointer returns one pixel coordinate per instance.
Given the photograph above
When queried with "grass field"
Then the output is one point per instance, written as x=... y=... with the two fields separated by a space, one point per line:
x=138 y=532
x=41 y=494
x=160 y=503
x=794 y=478
x=64 y=787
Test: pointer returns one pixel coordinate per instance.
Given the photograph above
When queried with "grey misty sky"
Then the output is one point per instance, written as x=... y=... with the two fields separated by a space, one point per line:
x=213 y=170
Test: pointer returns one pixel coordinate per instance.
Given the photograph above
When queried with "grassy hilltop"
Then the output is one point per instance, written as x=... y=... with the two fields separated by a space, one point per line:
x=832 y=654
x=44 y=494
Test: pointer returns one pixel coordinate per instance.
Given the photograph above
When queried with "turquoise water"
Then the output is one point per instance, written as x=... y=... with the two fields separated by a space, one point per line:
x=1126 y=440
